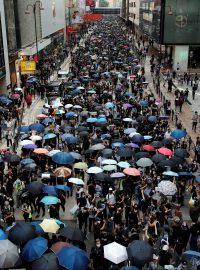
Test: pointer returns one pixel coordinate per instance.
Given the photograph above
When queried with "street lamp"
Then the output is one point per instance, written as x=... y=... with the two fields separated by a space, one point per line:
x=34 y=8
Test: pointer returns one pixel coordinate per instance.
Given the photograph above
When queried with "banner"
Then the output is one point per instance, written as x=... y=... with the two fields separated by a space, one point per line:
x=92 y=17
x=71 y=29
x=28 y=67
x=90 y=3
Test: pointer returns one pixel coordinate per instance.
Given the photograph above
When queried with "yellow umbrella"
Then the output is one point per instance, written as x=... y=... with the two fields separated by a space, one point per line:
x=49 y=226
x=80 y=165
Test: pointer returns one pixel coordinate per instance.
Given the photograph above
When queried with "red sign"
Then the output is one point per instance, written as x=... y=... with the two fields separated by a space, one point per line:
x=92 y=17
x=71 y=29
x=90 y=3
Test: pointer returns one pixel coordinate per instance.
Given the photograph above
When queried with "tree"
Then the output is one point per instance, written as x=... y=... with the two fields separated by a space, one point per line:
x=103 y=3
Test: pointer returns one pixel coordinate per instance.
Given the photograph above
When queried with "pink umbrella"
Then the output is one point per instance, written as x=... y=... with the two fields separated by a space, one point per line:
x=165 y=151
x=15 y=95
x=133 y=76
x=132 y=171
x=41 y=116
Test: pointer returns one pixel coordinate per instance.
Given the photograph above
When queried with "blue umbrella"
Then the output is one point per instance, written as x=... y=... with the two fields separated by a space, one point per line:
x=63 y=187
x=144 y=103
x=129 y=130
x=73 y=258
x=72 y=140
x=91 y=120
x=109 y=105
x=66 y=135
x=34 y=249
x=191 y=253
x=74 y=92
x=152 y=118
x=5 y=100
x=30 y=146
x=178 y=134
x=147 y=137
x=70 y=114
x=129 y=268
x=37 y=127
x=119 y=144
x=47 y=121
x=137 y=139
x=24 y=129
x=185 y=173
x=59 y=222
x=32 y=80
x=49 y=200
x=63 y=158
x=38 y=228
x=170 y=173
x=49 y=136
x=3 y=235
x=27 y=161
x=197 y=179
x=105 y=136
x=50 y=190
x=101 y=120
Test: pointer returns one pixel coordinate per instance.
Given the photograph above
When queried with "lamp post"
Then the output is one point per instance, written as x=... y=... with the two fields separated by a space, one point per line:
x=34 y=9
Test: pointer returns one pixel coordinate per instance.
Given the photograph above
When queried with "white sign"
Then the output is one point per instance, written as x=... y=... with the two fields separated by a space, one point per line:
x=52 y=17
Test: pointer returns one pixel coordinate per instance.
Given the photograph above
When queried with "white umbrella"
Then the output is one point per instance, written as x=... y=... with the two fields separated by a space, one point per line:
x=167 y=188
x=76 y=181
x=109 y=162
x=127 y=119
x=117 y=175
x=115 y=253
x=80 y=88
x=25 y=142
x=133 y=134
x=77 y=107
x=68 y=106
x=98 y=146
x=94 y=170
x=53 y=152
x=35 y=138
x=110 y=168
x=144 y=162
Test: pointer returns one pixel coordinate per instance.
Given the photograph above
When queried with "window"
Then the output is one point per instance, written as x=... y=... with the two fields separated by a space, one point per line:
x=134 y=4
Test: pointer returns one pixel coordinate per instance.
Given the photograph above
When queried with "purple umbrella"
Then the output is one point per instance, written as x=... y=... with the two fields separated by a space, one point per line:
x=30 y=146
x=127 y=106
x=133 y=145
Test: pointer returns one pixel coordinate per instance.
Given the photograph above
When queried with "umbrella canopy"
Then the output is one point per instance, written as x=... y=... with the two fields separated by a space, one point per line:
x=34 y=249
x=149 y=148
x=20 y=233
x=139 y=155
x=129 y=130
x=13 y=158
x=76 y=155
x=167 y=188
x=63 y=187
x=110 y=168
x=30 y=146
x=126 y=153
x=166 y=163
x=165 y=151
x=157 y=144
x=177 y=160
x=73 y=258
x=25 y=142
x=76 y=181
x=115 y=253
x=31 y=167
x=58 y=246
x=53 y=152
x=3 y=235
x=191 y=253
x=132 y=171
x=80 y=165
x=117 y=175
x=37 y=127
x=48 y=200
x=94 y=170
x=49 y=226
x=9 y=256
x=97 y=147
x=49 y=136
x=123 y=164
x=182 y=153
x=46 y=262
x=41 y=151
x=62 y=172
x=129 y=268
x=158 y=158
x=170 y=173
x=35 y=187
x=144 y=162
x=178 y=134
x=101 y=177
x=50 y=190
x=72 y=233
x=63 y=158
x=140 y=252
x=35 y=138
x=107 y=153
x=109 y=162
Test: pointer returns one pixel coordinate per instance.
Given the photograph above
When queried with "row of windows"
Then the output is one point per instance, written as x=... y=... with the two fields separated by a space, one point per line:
x=132 y=4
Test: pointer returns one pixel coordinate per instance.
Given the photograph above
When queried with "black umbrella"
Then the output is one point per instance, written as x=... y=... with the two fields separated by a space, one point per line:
x=140 y=252
x=81 y=128
x=167 y=163
x=13 y=159
x=73 y=234
x=180 y=152
x=158 y=158
x=35 y=187
x=142 y=155
x=141 y=118
x=117 y=141
x=126 y=153
x=177 y=160
x=167 y=141
x=46 y=262
x=107 y=152
x=102 y=177
x=157 y=144
x=83 y=133
x=20 y=233
x=95 y=141
x=30 y=167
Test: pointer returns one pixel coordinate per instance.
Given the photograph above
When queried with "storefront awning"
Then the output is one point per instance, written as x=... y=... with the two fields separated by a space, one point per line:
x=31 y=50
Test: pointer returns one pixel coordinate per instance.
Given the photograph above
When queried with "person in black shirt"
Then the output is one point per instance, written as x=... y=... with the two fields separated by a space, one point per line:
x=165 y=256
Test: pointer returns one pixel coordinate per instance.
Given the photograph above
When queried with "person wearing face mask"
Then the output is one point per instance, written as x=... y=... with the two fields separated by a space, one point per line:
x=97 y=255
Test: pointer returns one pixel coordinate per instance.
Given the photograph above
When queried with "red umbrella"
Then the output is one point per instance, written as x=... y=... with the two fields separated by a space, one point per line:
x=149 y=148
x=132 y=171
x=165 y=151
x=58 y=246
